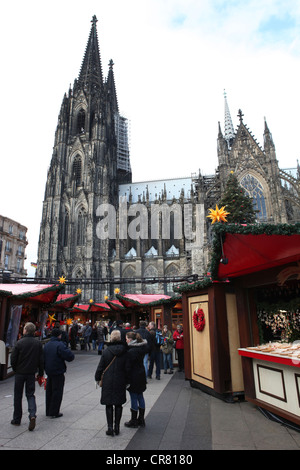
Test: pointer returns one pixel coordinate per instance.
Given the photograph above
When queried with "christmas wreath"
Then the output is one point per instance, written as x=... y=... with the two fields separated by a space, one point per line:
x=199 y=319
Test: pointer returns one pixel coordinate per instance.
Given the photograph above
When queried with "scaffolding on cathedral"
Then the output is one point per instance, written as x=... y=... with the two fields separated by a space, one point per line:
x=122 y=135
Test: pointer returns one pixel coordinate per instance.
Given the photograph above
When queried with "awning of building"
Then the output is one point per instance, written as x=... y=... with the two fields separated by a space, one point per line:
x=40 y=293
x=65 y=301
x=248 y=253
x=134 y=300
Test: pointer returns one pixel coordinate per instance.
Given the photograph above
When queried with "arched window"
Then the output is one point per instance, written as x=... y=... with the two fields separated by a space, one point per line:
x=81 y=122
x=255 y=190
x=81 y=227
x=129 y=273
x=76 y=170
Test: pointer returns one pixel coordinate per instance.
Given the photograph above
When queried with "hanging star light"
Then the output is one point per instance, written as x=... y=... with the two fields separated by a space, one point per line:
x=78 y=291
x=218 y=215
x=91 y=301
x=106 y=297
x=51 y=318
x=69 y=321
x=62 y=280
x=117 y=290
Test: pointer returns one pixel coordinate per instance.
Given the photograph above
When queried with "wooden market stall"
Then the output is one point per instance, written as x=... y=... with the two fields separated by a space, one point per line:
x=150 y=307
x=20 y=303
x=254 y=279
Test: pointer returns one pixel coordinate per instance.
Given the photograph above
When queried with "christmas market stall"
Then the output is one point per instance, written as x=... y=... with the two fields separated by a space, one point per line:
x=242 y=321
x=21 y=303
x=150 y=307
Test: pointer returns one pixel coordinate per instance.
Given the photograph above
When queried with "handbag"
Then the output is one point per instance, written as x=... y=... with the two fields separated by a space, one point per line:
x=101 y=380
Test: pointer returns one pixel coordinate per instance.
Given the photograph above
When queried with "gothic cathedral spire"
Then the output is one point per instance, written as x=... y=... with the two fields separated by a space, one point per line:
x=91 y=70
x=84 y=173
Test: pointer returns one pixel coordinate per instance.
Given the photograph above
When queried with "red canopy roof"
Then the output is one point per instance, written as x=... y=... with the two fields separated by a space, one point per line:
x=42 y=293
x=131 y=300
x=80 y=308
x=248 y=253
x=101 y=307
x=65 y=301
x=115 y=304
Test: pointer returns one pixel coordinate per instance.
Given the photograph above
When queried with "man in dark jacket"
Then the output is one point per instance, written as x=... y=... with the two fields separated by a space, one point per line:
x=119 y=326
x=148 y=337
x=26 y=360
x=55 y=355
x=155 y=354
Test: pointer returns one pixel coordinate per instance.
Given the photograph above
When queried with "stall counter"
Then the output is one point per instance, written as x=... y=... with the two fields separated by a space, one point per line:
x=272 y=381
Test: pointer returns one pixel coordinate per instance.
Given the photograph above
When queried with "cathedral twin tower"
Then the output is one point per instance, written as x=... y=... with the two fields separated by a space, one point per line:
x=90 y=168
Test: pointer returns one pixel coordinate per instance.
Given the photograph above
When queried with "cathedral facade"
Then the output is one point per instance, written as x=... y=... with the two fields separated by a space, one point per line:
x=100 y=230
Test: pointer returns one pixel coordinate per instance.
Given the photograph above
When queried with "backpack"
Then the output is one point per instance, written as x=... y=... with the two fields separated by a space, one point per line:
x=159 y=340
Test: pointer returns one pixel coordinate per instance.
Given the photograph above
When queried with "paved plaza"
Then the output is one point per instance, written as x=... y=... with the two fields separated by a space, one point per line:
x=178 y=418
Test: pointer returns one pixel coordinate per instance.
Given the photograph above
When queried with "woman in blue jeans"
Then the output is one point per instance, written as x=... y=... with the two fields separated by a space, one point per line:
x=136 y=377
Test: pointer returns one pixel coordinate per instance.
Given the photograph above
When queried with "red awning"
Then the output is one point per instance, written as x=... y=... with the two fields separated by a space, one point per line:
x=65 y=301
x=248 y=253
x=102 y=307
x=41 y=293
x=81 y=308
x=133 y=300
x=115 y=304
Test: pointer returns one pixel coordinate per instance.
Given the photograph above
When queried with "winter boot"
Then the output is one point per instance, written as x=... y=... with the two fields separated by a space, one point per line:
x=141 y=418
x=133 y=423
x=118 y=415
x=109 y=418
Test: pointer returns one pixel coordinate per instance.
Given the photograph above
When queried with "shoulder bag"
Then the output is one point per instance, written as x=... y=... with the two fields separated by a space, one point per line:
x=101 y=381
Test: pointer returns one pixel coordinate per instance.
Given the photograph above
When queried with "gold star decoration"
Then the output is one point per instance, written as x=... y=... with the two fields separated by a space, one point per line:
x=62 y=280
x=106 y=297
x=78 y=291
x=51 y=318
x=69 y=321
x=91 y=301
x=218 y=215
x=117 y=290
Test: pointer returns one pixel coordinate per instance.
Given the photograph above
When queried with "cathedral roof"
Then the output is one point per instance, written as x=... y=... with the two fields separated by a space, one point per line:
x=156 y=189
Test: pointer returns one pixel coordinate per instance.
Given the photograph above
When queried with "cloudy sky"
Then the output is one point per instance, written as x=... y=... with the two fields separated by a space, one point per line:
x=173 y=59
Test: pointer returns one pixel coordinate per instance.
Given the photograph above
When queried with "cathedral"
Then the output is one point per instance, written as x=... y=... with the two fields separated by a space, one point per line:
x=100 y=230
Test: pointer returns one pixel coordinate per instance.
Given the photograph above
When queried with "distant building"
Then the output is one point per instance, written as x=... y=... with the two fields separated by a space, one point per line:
x=13 y=243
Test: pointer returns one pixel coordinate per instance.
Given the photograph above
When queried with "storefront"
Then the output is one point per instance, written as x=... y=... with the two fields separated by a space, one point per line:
x=22 y=303
x=250 y=298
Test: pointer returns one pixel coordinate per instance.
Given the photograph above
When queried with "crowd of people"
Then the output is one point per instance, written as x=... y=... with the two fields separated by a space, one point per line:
x=128 y=356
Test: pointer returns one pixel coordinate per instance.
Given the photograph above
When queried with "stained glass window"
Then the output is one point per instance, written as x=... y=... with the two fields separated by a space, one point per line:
x=255 y=190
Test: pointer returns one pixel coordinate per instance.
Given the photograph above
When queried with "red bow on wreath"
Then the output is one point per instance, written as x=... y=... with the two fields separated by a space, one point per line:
x=199 y=319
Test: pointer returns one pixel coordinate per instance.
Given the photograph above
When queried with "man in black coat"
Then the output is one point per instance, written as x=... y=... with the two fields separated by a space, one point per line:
x=119 y=326
x=148 y=337
x=55 y=355
x=26 y=361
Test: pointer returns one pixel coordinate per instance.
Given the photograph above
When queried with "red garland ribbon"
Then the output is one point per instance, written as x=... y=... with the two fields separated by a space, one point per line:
x=199 y=319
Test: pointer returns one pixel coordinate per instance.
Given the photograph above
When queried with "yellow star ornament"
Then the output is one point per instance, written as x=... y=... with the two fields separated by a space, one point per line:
x=218 y=215
x=62 y=280
x=51 y=318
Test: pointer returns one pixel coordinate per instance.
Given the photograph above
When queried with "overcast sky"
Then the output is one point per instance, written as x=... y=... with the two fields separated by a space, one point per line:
x=173 y=59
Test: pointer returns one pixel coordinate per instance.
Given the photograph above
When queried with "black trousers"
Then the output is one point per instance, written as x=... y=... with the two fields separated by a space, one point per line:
x=29 y=381
x=54 y=394
x=180 y=354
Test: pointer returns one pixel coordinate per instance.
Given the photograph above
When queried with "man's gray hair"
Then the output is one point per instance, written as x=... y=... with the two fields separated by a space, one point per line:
x=115 y=335
x=30 y=328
